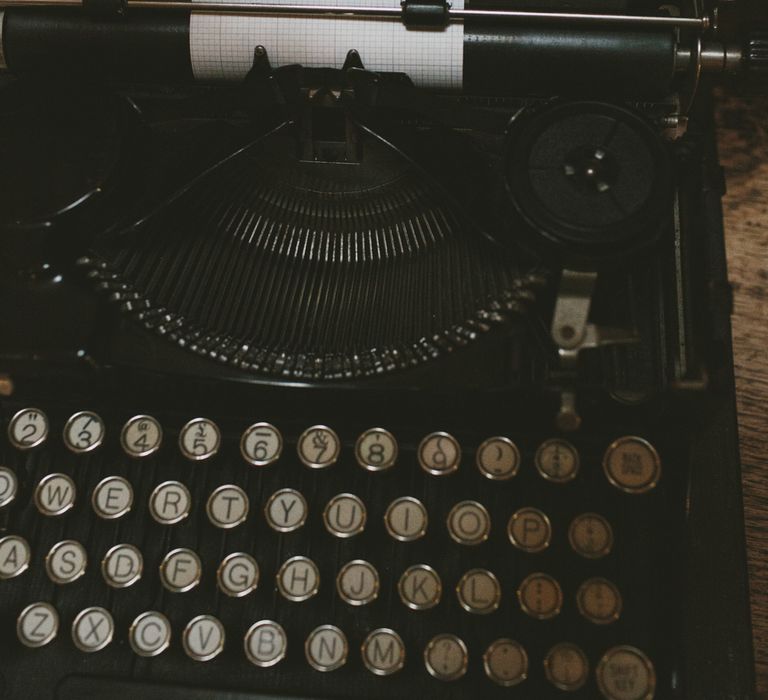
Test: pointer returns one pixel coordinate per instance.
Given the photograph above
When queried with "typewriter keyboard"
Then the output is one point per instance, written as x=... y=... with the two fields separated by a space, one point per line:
x=510 y=561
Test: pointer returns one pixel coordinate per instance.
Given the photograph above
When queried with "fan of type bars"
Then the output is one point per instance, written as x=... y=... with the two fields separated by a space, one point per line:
x=284 y=267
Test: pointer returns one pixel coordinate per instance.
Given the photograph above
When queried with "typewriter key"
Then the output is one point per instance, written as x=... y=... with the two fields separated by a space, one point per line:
x=446 y=657
x=566 y=666
x=498 y=458
x=439 y=453
x=383 y=652
x=469 y=523
x=150 y=634
x=506 y=662
x=37 y=625
x=92 y=629
x=170 y=502
x=376 y=450
x=318 y=447
x=345 y=515
x=540 y=596
x=420 y=587
x=529 y=530
x=286 y=510
x=203 y=638
x=55 y=494
x=14 y=556
x=479 y=592
x=632 y=465
x=199 y=439
x=238 y=575
x=265 y=643
x=625 y=673
x=66 y=561
x=261 y=444
x=28 y=428
x=122 y=566
x=9 y=486
x=227 y=506
x=406 y=519
x=557 y=461
x=358 y=582
x=599 y=601
x=180 y=570
x=112 y=498
x=298 y=579
x=326 y=648
x=141 y=436
x=84 y=432
x=591 y=535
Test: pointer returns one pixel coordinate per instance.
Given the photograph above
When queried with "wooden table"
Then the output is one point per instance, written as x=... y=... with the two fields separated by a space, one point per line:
x=744 y=153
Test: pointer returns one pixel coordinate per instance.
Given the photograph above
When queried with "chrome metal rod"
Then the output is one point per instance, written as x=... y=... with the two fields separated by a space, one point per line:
x=350 y=11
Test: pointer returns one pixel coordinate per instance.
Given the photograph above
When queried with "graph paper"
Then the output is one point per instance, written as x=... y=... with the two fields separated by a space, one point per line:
x=221 y=46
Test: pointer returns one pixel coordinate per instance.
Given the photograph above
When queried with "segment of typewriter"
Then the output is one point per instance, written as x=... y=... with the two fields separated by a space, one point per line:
x=320 y=384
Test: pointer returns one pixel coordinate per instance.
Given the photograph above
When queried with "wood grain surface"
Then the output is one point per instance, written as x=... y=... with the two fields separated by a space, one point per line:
x=743 y=135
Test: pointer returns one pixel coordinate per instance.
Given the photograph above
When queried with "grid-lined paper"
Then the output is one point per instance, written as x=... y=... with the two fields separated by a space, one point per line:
x=221 y=46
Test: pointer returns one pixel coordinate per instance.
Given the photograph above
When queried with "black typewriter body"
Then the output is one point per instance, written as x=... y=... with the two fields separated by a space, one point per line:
x=317 y=250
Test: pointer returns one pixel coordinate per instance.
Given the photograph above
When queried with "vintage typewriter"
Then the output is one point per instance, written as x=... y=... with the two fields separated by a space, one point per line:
x=368 y=350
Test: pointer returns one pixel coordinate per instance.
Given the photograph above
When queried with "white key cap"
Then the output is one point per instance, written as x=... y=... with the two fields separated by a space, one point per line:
x=439 y=454
x=376 y=450
x=150 y=634
x=406 y=519
x=326 y=648
x=261 y=444
x=383 y=652
x=112 y=498
x=238 y=574
x=265 y=643
x=180 y=570
x=358 y=582
x=122 y=566
x=506 y=662
x=286 y=510
x=529 y=529
x=318 y=447
x=540 y=596
x=84 y=432
x=298 y=579
x=141 y=436
x=566 y=666
x=469 y=523
x=557 y=460
x=420 y=587
x=9 y=486
x=345 y=515
x=14 y=556
x=66 y=561
x=498 y=458
x=227 y=506
x=446 y=657
x=28 y=428
x=199 y=439
x=37 y=625
x=626 y=673
x=479 y=592
x=203 y=638
x=55 y=494
x=170 y=502
x=92 y=629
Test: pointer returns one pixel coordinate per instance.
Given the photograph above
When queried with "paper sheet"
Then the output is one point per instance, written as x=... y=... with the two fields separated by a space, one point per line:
x=221 y=46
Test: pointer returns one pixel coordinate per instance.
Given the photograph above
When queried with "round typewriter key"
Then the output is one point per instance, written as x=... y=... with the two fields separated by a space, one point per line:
x=479 y=592
x=286 y=510
x=383 y=652
x=506 y=662
x=406 y=519
x=66 y=561
x=28 y=428
x=529 y=530
x=265 y=643
x=376 y=450
x=318 y=447
x=84 y=432
x=590 y=535
x=199 y=439
x=599 y=601
x=446 y=657
x=326 y=648
x=92 y=629
x=439 y=453
x=238 y=575
x=420 y=587
x=9 y=486
x=498 y=458
x=122 y=566
x=345 y=515
x=540 y=596
x=112 y=498
x=227 y=506
x=170 y=502
x=566 y=666
x=203 y=638
x=141 y=436
x=261 y=444
x=632 y=465
x=625 y=673
x=14 y=556
x=37 y=625
x=55 y=494
x=469 y=523
x=557 y=461
x=358 y=582
x=298 y=579
x=180 y=570
x=150 y=634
